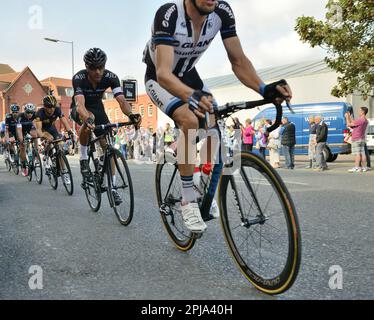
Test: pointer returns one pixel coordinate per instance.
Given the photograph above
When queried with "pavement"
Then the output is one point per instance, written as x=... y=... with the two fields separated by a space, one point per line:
x=86 y=255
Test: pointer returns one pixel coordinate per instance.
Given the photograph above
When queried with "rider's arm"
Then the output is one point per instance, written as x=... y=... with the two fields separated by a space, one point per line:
x=65 y=124
x=39 y=126
x=124 y=105
x=165 y=76
x=79 y=99
x=241 y=65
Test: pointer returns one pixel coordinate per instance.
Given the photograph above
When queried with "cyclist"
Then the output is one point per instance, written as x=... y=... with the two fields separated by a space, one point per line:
x=87 y=108
x=45 y=125
x=182 y=31
x=2 y=136
x=11 y=128
x=25 y=127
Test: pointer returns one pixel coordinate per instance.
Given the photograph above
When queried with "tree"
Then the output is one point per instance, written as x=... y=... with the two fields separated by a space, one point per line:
x=348 y=37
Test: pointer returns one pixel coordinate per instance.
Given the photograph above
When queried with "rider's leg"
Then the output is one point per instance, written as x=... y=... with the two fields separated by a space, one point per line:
x=22 y=149
x=84 y=136
x=188 y=125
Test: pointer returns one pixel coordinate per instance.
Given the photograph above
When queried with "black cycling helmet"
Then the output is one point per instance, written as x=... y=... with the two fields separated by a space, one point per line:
x=14 y=108
x=95 y=58
x=50 y=101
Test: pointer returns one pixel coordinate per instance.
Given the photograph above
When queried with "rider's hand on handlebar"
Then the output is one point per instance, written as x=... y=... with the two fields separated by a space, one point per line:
x=90 y=123
x=200 y=103
x=136 y=119
x=277 y=92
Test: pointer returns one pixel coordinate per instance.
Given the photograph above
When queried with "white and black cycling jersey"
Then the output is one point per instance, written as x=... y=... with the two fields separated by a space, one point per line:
x=172 y=26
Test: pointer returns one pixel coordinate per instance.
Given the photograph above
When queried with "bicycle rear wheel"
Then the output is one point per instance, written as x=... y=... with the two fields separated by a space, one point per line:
x=123 y=185
x=92 y=187
x=65 y=171
x=260 y=225
x=37 y=167
x=169 y=198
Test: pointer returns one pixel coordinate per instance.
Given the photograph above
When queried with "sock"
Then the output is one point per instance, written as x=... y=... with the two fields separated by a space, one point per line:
x=114 y=181
x=188 y=193
x=84 y=155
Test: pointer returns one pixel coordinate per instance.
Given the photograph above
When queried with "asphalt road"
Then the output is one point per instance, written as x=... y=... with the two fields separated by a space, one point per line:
x=85 y=255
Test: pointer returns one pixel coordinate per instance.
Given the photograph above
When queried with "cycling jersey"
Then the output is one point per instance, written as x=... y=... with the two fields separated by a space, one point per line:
x=48 y=121
x=172 y=26
x=26 y=123
x=11 y=125
x=93 y=97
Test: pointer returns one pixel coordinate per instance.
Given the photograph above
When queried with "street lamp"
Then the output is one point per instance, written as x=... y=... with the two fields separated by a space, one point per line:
x=72 y=50
x=72 y=60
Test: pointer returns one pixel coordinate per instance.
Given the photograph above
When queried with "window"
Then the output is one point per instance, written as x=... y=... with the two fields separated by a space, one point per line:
x=134 y=109
x=142 y=111
x=116 y=114
x=150 y=110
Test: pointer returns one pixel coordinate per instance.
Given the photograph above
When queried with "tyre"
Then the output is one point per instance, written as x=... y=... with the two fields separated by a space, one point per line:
x=65 y=171
x=123 y=185
x=92 y=188
x=169 y=198
x=38 y=167
x=52 y=174
x=260 y=225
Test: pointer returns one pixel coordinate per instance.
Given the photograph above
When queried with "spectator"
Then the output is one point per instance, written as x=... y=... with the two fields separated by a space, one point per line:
x=288 y=142
x=322 y=132
x=262 y=140
x=248 y=134
x=274 y=145
x=312 y=142
x=237 y=124
x=358 y=139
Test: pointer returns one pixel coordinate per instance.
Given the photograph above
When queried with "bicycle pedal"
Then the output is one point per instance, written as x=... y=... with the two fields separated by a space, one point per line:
x=209 y=218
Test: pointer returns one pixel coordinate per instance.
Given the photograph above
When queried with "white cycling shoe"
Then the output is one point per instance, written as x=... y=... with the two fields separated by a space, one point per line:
x=192 y=218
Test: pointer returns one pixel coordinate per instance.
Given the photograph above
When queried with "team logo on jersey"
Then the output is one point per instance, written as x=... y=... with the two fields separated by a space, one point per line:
x=184 y=25
x=226 y=8
x=167 y=16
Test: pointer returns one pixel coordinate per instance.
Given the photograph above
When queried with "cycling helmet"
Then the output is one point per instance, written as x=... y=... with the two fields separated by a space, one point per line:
x=14 y=108
x=50 y=101
x=29 y=108
x=95 y=58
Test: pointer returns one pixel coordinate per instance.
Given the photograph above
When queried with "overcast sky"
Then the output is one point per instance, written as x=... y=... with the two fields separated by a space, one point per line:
x=122 y=28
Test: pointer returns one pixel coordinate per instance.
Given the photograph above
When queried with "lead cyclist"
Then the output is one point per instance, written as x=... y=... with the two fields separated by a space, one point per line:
x=182 y=31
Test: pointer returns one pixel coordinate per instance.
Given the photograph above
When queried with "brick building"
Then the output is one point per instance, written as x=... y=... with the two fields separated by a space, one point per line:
x=23 y=87
x=18 y=87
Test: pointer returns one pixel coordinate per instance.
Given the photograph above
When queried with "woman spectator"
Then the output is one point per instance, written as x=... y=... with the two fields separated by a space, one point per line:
x=248 y=134
x=262 y=140
x=274 y=145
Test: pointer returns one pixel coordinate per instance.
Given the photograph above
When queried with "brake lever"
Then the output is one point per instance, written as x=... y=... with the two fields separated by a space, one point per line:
x=289 y=107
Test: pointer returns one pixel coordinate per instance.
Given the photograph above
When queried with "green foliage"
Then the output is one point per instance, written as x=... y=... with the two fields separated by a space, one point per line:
x=348 y=36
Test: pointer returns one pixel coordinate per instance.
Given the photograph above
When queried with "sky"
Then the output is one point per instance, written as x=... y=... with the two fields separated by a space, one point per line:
x=122 y=28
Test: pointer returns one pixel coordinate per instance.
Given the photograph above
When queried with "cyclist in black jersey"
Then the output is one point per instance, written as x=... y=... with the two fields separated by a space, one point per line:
x=25 y=127
x=45 y=126
x=11 y=128
x=88 y=109
x=182 y=31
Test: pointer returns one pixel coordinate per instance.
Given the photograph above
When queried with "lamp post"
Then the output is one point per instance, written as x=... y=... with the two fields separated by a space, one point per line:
x=72 y=60
x=72 y=50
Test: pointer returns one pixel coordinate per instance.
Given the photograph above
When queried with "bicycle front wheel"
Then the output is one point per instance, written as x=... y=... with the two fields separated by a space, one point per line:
x=260 y=225
x=119 y=181
x=169 y=198
x=66 y=175
x=38 y=167
x=92 y=187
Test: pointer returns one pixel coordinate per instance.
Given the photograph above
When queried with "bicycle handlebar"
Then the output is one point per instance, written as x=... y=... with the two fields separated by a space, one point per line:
x=230 y=108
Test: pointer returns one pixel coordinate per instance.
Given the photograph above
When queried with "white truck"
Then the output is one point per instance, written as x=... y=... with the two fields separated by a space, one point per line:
x=370 y=136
